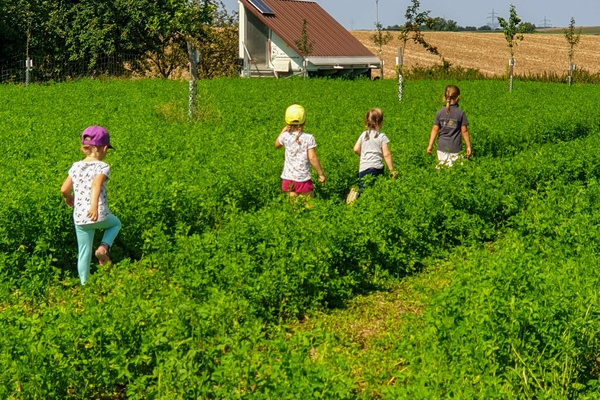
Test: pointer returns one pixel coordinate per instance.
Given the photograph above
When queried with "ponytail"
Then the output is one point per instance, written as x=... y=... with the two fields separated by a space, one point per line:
x=369 y=131
x=451 y=95
x=296 y=129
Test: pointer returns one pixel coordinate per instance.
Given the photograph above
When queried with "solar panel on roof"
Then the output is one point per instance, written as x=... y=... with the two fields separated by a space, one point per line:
x=262 y=7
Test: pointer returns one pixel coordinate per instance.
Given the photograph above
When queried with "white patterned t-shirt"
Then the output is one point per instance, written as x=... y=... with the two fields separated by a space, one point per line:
x=82 y=174
x=297 y=165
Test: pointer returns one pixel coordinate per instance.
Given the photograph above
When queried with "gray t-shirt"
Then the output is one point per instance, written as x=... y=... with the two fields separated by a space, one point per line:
x=82 y=174
x=371 y=153
x=450 y=137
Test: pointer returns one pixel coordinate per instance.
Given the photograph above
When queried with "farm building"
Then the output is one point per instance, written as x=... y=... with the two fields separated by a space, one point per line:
x=270 y=40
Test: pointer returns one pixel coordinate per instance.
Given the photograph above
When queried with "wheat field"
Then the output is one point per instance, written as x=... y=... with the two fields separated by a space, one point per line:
x=488 y=52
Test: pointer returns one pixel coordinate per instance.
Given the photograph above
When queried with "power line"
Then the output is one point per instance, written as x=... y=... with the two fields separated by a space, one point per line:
x=546 y=23
x=494 y=17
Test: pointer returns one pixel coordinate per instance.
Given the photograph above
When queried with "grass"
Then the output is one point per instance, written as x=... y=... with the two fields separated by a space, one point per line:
x=370 y=335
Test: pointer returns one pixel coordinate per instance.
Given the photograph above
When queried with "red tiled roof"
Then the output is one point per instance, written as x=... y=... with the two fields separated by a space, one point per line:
x=329 y=38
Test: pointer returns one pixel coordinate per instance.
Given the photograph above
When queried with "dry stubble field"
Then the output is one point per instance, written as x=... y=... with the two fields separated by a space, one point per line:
x=488 y=52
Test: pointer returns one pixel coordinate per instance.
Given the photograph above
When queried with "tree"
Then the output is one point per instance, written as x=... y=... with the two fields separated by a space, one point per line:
x=452 y=26
x=441 y=24
x=173 y=25
x=305 y=46
x=19 y=26
x=66 y=32
x=219 y=50
x=513 y=35
x=412 y=29
x=380 y=39
x=572 y=36
x=527 y=27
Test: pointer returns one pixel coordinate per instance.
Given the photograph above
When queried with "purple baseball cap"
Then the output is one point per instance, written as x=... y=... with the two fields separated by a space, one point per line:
x=95 y=136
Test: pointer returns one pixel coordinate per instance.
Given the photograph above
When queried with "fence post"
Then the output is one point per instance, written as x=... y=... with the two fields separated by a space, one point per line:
x=511 y=63
x=193 y=57
x=28 y=68
x=571 y=69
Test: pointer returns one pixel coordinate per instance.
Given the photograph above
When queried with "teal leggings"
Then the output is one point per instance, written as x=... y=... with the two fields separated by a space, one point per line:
x=85 y=242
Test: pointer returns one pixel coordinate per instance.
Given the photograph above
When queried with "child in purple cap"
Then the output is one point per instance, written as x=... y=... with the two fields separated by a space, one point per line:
x=85 y=191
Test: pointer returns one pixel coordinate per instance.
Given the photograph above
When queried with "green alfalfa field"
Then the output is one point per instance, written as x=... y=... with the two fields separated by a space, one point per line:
x=479 y=281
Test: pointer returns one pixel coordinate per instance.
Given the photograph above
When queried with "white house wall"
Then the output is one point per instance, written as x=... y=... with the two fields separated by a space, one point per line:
x=241 y=29
x=281 y=51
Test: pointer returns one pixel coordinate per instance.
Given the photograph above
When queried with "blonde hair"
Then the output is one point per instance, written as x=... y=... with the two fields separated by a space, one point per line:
x=297 y=128
x=451 y=96
x=373 y=121
x=90 y=150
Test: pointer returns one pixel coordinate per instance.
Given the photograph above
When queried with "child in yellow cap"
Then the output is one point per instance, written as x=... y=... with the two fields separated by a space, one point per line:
x=299 y=154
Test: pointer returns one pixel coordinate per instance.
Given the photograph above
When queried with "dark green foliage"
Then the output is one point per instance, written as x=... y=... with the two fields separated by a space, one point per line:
x=212 y=260
x=442 y=24
x=527 y=27
x=513 y=30
x=93 y=31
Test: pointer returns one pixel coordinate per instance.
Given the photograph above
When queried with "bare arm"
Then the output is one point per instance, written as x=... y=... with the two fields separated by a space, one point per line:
x=277 y=143
x=95 y=195
x=387 y=156
x=314 y=161
x=465 y=134
x=434 y=132
x=65 y=189
x=357 y=147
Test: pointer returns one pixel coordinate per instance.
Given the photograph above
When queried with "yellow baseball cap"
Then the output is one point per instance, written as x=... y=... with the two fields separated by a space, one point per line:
x=295 y=115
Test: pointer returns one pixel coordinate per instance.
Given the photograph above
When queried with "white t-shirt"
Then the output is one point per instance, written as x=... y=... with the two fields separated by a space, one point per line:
x=371 y=153
x=297 y=165
x=82 y=174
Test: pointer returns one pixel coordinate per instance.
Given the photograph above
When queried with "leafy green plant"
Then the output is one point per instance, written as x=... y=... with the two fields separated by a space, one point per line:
x=513 y=33
x=572 y=37
x=412 y=29
x=218 y=283
x=380 y=39
x=304 y=45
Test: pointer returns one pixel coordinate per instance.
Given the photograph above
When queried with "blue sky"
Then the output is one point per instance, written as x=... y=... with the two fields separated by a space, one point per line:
x=361 y=14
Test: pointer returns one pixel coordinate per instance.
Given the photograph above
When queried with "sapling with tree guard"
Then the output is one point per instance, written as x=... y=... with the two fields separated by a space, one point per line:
x=572 y=36
x=513 y=33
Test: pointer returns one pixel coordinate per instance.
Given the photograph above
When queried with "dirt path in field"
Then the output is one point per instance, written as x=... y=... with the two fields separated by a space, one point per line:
x=488 y=52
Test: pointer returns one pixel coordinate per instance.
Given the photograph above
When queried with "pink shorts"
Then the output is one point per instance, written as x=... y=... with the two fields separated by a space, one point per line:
x=298 y=187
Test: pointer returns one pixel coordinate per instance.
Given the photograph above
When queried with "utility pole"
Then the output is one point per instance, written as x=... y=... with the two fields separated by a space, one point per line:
x=379 y=29
x=546 y=23
x=494 y=17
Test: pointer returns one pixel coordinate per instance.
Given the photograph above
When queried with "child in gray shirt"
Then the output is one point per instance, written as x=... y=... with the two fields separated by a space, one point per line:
x=450 y=123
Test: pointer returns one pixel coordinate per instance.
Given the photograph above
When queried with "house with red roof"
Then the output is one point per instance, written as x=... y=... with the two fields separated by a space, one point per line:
x=271 y=39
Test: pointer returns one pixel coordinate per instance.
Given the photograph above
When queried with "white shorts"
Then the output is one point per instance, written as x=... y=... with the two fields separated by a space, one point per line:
x=447 y=159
